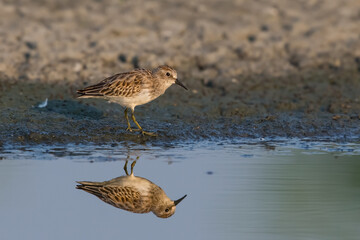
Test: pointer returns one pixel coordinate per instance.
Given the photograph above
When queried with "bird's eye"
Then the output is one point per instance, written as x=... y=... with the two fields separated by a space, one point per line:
x=168 y=74
x=166 y=210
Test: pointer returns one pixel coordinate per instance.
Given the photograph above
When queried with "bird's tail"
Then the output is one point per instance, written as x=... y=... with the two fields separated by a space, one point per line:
x=94 y=90
x=90 y=187
x=88 y=184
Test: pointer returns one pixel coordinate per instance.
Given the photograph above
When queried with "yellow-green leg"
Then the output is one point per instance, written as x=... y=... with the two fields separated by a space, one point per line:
x=125 y=168
x=128 y=122
x=138 y=125
x=132 y=167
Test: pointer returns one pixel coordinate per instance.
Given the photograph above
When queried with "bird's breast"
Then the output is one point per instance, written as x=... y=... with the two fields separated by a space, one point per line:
x=140 y=98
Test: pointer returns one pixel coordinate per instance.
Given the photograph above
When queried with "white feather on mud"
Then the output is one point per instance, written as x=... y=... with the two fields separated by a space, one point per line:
x=43 y=104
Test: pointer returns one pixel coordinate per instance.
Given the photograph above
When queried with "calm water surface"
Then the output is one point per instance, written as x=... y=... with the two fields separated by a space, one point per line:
x=292 y=190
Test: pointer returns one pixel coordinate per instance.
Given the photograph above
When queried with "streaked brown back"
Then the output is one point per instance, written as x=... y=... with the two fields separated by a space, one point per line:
x=123 y=197
x=121 y=84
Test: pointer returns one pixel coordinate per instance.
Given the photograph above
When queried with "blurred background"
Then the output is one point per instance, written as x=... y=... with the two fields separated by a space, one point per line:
x=80 y=41
x=244 y=60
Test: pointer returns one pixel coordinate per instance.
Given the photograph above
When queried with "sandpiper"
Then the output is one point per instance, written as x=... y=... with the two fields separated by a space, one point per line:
x=133 y=88
x=134 y=194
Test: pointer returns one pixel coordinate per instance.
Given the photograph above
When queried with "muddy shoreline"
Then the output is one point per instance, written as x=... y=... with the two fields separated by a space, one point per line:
x=213 y=113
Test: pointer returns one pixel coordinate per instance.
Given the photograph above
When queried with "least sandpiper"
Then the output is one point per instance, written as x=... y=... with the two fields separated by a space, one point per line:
x=133 y=88
x=134 y=194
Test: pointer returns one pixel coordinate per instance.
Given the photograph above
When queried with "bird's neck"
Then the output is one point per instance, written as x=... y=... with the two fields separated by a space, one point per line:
x=158 y=196
x=160 y=87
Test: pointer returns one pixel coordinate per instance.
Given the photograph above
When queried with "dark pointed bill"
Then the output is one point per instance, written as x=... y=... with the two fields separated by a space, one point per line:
x=176 y=202
x=180 y=84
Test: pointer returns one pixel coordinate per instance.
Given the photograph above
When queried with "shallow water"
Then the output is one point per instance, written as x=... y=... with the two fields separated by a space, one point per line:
x=265 y=190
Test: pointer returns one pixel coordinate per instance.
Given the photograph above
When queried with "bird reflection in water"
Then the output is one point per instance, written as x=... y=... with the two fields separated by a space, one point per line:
x=134 y=194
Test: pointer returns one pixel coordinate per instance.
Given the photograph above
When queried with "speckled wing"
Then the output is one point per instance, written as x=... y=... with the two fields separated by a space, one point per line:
x=120 y=85
x=123 y=197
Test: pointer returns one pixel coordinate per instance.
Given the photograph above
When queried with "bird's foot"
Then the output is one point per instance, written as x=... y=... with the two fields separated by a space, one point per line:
x=142 y=131
x=148 y=133
x=133 y=130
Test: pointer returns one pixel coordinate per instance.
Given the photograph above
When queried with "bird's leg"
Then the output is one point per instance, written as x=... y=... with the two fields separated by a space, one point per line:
x=132 y=167
x=125 y=168
x=138 y=125
x=128 y=122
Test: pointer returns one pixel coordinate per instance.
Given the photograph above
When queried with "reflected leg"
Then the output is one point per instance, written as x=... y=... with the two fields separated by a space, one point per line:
x=125 y=168
x=132 y=167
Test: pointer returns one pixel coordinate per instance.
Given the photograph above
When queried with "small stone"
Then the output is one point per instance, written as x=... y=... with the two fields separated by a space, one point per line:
x=241 y=54
x=78 y=67
x=209 y=83
x=264 y=28
x=27 y=56
x=135 y=61
x=252 y=38
x=234 y=80
x=92 y=44
x=294 y=60
x=309 y=32
x=31 y=45
x=122 y=57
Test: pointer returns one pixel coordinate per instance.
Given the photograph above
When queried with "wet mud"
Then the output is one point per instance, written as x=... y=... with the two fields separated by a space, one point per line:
x=254 y=69
x=216 y=113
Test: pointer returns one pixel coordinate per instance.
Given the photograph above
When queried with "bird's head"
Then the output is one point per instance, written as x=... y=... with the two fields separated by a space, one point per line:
x=168 y=74
x=167 y=208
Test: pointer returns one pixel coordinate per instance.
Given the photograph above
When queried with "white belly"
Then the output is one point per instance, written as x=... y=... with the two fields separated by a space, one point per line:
x=131 y=102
